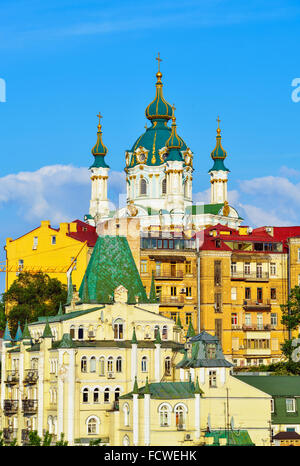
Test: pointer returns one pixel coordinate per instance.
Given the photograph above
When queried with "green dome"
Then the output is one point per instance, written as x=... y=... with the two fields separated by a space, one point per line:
x=99 y=150
x=218 y=154
x=159 y=108
x=153 y=140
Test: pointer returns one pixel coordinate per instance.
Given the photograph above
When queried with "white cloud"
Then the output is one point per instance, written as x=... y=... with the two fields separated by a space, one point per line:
x=55 y=192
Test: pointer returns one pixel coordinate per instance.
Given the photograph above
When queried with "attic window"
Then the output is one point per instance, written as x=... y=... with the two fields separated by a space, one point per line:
x=218 y=243
x=211 y=350
x=53 y=239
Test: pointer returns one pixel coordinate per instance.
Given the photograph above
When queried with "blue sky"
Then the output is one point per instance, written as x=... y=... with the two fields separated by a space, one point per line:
x=64 y=61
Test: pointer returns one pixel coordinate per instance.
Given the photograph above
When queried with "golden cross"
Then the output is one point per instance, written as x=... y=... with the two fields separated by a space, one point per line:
x=99 y=116
x=218 y=120
x=159 y=60
x=173 y=108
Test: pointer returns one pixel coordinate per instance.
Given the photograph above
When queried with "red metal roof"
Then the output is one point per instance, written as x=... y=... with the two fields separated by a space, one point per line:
x=85 y=232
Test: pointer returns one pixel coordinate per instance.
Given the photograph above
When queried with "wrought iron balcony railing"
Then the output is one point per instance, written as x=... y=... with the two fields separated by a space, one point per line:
x=10 y=407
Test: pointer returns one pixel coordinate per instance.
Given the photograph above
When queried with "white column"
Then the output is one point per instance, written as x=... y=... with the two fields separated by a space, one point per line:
x=157 y=362
x=197 y=415
x=135 y=419
x=60 y=399
x=3 y=373
x=71 y=397
x=133 y=361
x=147 y=419
x=40 y=396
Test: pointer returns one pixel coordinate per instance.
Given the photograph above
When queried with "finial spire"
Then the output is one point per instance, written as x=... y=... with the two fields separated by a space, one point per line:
x=99 y=116
x=159 y=60
x=218 y=129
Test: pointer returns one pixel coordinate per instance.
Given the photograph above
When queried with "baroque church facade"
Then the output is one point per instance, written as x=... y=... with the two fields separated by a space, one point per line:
x=159 y=177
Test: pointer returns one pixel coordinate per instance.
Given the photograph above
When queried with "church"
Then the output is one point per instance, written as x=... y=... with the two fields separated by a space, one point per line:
x=159 y=177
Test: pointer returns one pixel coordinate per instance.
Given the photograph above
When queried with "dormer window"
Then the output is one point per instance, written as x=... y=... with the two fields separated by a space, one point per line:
x=211 y=350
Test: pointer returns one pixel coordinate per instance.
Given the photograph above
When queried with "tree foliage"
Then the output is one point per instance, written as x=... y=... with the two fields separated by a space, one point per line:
x=291 y=310
x=31 y=296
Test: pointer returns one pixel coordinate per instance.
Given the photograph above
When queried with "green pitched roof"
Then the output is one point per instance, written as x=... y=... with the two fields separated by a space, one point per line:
x=110 y=266
x=18 y=336
x=47 y=330
x=7 y=335
x=166 y=390
x=234 y=437
x=152 y=295
x=26 y=333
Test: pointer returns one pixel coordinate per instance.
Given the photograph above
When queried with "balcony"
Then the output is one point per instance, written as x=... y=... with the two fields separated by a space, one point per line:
x=9 y=434
x=31 y=376
x=25 y=436
x=29 y=406
x=171 y=300
x=250 y=277
x=10 y=407
x=252 y=305
x=171 y=275
x=257 y=327
x=12 y=377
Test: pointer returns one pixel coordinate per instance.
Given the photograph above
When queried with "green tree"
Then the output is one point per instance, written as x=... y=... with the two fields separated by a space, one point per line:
x=31 y=296
x=291 y=310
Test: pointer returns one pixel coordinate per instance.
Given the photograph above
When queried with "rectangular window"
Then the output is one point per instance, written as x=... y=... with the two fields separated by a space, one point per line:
x=157 y=269
x=233 y=268
x=188 y=291
x=143 y=266
x=217 y=266
x=290 y=405
x=74 y=263
x=248 y=320
x=273 y=293
x=247 y=293
x=259 y=295
x=218 y=302
x=247 y=268
x=53 y=239
x=174 y=316
x=212 y=376
x=218 y=329
x=173 y=291
x=158 y=290
x=233 y=294
x=188 y=267
x=274 y=319
x=35 y=242
x=259 y=270
x=260 y=322
x=273 y=269
x=188 y=318
x=234 y=319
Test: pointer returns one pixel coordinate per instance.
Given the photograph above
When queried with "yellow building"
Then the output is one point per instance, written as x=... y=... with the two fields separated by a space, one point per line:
x=51 y=250
x=246 y=276
x=111 y=367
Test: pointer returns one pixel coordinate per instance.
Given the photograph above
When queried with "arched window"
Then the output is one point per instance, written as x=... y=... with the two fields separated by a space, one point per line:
x=180 y=415
x=144 y=364
x=143 y=187
x=92 y=426
x=168 y=365
x=106 y=395
x=85 y=395
x=80 y=333
x=119 y=364
x=102 y=366
x=126 y=441
x=164 y=415
x=96 y=395
x=110 y=364
x=164 y=333
x=72 y=332
x=126 y=415
x=83 y=364
x=118 y=329
x=156 y=330
x=164 y=186
x=93 y=364
x=117 y=394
